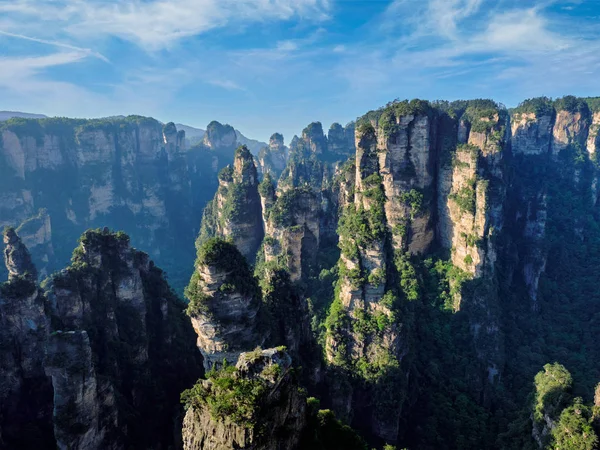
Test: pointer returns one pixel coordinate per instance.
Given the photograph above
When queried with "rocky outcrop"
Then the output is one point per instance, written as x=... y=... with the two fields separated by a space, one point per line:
x=532 y=134
x=363 y=298
x=406 y=148
x=541 y=130
x=118 y=333
x=471 y=192
x=570 y=128
x=274 y=416
x=273 y=159
x=129 y=173
x=85 y=415
x=593 y=142
x=235 y=213
x=17 y=258
x=292 y=231
x=219 y=136
x=340 y=141
x=36 y=234
x=25 y=390
x=224 y=303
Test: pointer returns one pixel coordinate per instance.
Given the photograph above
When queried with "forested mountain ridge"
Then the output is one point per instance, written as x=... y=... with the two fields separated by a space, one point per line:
x=419 y=276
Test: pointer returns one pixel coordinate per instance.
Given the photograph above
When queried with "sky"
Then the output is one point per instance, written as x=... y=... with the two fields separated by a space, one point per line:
x=268 y=66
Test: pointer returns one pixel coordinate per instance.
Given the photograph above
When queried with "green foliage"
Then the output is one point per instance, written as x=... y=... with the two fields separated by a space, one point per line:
x=225 y=257
x=325 y=432
x=19 y=287
x=540 y=106
x=228 y=396
x=336 y=324
x=377 y=277
x=266 y=188
x=287 y=205
x=465 y=198
x=574 y=430
x=386 y=116
x=484 y=115
x=552 y=387
x=409 y=282
x=361 y=225
x=226 y=174
x=414 y=199
x=572 y=104
x=593 y=103
x=450 y=282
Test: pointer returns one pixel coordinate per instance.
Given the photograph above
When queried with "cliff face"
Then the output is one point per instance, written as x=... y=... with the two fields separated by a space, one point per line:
x=225 y=303
x=132 y=173
x=86 y=357
x=119 y=332
x=365 y=298
x=235 y=213
x=566 y=125
x=408 y=155
x=300 y=217
x=26 y=392
x=85 y=414
x=274 y=416
x=273 y=159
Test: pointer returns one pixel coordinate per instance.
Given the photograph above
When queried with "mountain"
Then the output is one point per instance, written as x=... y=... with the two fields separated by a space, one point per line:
x=104 y=356
x=195 y=135
x=422 y=278
x=5 y=115
x=253 y=145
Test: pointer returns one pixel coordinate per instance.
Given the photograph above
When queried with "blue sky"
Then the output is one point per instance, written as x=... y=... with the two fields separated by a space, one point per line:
x=276 y=65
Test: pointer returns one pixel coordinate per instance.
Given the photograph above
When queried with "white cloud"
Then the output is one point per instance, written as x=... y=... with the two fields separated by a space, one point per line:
x=287 y=46
x=56 y=44
x=451 y=48
x=227 y=84
x=446 y=15
x=154 y=24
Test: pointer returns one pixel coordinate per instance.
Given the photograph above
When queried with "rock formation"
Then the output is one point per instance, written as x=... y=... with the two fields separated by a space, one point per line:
x=225 y=303
x=273 y=159
x=92 y=350
x=25 y=392
x=85 y=414
x=272 y=416
x=122 y=334
x=128 y=173
x=219 y=136
x=235 y=213
x=17 y=258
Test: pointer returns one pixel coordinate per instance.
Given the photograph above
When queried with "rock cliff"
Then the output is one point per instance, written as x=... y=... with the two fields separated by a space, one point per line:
x=128 y=173
x=273 y=159
x=25 y=392
x=225 y=304
x=235 y=212
x=102 y=355
x=267 y=409
x=119 y=332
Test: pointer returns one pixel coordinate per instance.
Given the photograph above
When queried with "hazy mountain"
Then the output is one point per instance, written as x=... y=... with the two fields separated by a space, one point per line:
x=5 y=115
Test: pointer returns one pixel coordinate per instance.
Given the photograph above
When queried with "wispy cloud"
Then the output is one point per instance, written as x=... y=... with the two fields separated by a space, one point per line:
x=157 y=24
x=475 y=40
x=227 y=84
x=86 y=51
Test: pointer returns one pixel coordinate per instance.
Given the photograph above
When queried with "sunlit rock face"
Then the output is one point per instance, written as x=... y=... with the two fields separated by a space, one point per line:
x=282 y=406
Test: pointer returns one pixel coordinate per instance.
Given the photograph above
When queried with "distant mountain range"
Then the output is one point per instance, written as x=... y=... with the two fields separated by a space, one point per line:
x=5 y=115
x=193 y=135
